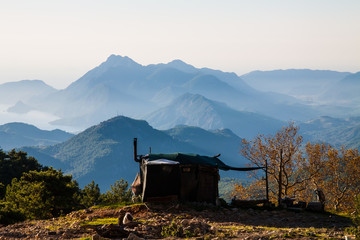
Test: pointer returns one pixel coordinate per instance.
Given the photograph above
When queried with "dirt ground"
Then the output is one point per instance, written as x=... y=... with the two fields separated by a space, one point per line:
x=191 y=221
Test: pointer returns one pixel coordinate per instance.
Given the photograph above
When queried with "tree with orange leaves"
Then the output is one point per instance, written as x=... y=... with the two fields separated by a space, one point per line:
x=342 y=177
x=281 y=157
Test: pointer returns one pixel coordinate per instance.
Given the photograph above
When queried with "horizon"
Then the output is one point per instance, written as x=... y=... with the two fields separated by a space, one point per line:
x=59 y=42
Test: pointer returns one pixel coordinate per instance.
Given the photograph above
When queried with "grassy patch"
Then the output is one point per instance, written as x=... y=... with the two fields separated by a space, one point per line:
x=100 y=221
x=62 y=222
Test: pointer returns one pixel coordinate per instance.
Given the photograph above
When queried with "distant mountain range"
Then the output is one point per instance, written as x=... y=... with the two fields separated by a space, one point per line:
x=121 y=86
x=334 y=131
x=344 y=92
x=13 y=92
x=104 y=152
x=15 y=135
x=303 y=83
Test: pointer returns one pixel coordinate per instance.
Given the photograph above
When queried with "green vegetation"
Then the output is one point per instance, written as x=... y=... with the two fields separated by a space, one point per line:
x=226 y=187
x=119 y=193
x=9 y=215
x=100 y=221
x=13 y=164
x=90 y=194
x=357 y=210
x=356 y=219
x=176 y=230
x=43 y=194
x=31 y=191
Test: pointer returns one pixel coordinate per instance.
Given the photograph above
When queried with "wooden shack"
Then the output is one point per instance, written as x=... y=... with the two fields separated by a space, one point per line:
x=180 y=176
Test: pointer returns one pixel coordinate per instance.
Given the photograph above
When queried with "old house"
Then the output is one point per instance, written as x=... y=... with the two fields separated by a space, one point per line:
x=185 y=177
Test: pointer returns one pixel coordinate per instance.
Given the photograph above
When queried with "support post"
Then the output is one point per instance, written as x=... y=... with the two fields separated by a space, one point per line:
x=266 y=180
x=280 y=177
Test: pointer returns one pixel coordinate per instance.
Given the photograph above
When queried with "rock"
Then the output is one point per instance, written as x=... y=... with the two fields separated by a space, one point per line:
x=315 y=207
x=88 y=210
x=74 y=224
x=213 y=229
x=127 y=218
x=185 y=222
x=121 y=218
x=96 y=237
x=146 y=228
x=112 y=231
x=133 y=236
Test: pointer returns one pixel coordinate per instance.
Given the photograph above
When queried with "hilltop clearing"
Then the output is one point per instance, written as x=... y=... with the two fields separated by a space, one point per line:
x=182 y=221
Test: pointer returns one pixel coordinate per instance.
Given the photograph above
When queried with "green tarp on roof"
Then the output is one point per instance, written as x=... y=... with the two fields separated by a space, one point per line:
x=188 y=158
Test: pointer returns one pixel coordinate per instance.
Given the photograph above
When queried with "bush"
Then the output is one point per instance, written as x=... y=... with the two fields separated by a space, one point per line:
x=356 y=218
x=90 y=195
x=43 y=194
x=14 y=164
x=119 y=193
x=2 y=190
x=9 y=216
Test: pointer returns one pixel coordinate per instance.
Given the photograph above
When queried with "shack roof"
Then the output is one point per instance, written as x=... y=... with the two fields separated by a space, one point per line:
x=189 y=158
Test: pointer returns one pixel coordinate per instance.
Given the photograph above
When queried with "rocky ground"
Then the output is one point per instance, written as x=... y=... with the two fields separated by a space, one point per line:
x=182 y=221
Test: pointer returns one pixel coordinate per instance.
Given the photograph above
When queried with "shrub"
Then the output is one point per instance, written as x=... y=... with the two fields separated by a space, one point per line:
x=2 y=190
x=14 y=164
x=43 y=194
x=9 y=216
x=356 y=218
x=119 y=193
x=90 y=195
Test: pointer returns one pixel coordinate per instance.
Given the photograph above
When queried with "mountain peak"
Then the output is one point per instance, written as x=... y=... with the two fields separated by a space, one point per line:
x=117 y=60
x=182 y=66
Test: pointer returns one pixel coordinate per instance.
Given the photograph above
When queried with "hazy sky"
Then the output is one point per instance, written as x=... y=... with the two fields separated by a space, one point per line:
x=59 y=41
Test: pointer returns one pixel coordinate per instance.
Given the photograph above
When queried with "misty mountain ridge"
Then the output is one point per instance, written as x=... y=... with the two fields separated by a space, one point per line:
x=302 y=83
x=23 y=90
x=121 y=86
x=15 y=135
x=104 y=152
x=345 y=91
x=196 y=110
x=334 y=131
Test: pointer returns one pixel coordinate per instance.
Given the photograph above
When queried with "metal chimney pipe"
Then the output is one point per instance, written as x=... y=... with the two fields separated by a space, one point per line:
x=135 y=150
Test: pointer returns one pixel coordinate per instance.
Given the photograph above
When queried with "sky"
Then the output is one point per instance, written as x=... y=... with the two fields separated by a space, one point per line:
x=59 y=41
